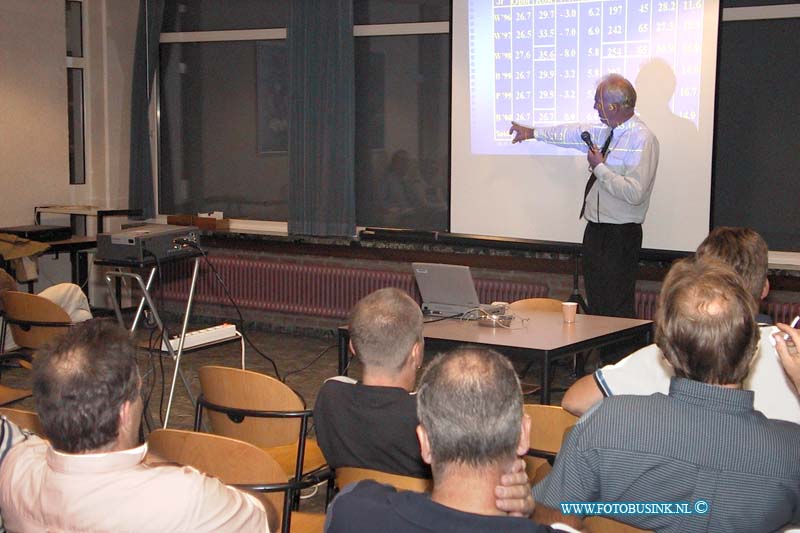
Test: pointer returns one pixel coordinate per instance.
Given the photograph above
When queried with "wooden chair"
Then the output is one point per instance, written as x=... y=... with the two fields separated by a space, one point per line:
x=10 y=395
x=261 y=410
x=24 y=419
x=34 y=321
x=346 y=475
x=549 y=426
x=235 y=463
x=600 y=524
x=537 y=304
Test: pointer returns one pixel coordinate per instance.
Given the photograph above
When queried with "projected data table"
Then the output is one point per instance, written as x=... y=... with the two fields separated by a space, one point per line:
x=548 y=55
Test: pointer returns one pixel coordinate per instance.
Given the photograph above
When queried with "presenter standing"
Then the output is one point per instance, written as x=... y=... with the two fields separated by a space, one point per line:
x=623 y=165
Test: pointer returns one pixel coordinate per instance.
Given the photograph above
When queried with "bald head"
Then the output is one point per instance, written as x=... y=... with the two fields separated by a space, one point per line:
x=705 y=322
x=470 y=404
x=81 y=382
x=618 y=90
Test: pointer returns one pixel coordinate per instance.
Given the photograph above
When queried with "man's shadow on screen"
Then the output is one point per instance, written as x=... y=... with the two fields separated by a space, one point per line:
x=678 y=137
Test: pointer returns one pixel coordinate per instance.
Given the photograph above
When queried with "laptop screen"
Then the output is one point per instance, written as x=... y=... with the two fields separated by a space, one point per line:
x=445 y=284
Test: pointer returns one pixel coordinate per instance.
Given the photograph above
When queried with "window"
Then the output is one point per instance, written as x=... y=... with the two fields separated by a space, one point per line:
x=224 y=129
x=75 y=95
x=402 y=128
x=223 y=110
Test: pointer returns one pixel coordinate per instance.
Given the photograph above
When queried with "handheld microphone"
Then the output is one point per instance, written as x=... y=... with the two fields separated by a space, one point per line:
x=587 y=138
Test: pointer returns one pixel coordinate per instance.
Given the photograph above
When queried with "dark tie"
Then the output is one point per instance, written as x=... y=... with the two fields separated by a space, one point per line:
x=593 y=178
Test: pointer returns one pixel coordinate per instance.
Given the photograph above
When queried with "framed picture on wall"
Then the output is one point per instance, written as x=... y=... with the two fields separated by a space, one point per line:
x=272 y=99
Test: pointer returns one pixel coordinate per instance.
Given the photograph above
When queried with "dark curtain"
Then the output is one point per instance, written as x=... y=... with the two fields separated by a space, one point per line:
x=322 y=110
x=148 y=31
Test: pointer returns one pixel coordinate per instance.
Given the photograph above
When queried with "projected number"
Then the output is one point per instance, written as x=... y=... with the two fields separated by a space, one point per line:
x=549 y=54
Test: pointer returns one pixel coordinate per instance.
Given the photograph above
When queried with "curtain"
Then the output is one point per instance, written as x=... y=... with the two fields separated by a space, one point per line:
x=322 y=111
x=148 y=31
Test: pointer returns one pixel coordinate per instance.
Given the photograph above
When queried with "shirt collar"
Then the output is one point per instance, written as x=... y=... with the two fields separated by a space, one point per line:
x=714 y=396
x=628 y=124
x=95 y=462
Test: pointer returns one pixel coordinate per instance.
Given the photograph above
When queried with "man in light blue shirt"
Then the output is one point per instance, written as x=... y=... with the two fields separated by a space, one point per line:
x=617 y=194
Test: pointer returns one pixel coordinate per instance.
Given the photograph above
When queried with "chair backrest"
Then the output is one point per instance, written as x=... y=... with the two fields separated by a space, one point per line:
x=537 y=469
x=231 y=461
x=536 y=304
x=25 y=314
x=24 y=419
x=11 y=395
x=600 y=524
x=346 y=475
x=243 y=389
x=549 y=423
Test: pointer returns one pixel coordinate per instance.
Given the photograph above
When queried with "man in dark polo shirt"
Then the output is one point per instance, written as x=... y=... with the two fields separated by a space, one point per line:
x=471 y=430
x=702 y=443
x=372 y=424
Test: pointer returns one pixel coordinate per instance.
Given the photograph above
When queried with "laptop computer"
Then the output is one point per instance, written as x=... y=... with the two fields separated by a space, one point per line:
x=448 y=290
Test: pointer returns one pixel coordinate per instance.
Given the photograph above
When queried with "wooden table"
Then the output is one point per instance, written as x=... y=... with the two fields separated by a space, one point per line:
x=540 y=334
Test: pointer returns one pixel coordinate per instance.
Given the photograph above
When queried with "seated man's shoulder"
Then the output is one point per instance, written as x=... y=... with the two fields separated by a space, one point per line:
x=337 y=383
x=333 y=391
x=368 y=505
x=205 y=499
x=643 y=372
x=24 y=449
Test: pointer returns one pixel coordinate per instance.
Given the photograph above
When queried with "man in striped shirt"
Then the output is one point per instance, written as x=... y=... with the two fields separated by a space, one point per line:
x=702 y=443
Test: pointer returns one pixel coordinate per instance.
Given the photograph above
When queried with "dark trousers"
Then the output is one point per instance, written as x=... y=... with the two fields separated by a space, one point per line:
x=610 y=262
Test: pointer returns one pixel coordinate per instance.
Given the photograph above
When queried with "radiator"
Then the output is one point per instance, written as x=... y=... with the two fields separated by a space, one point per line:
x=781 y=311
x=310 y=289
x=646 y=303
x=778 y=311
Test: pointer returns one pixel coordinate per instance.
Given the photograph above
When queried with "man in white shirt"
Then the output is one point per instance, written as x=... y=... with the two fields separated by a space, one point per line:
x=90 y=475
x=617 y=194
x=647 y=371
x=67 y=296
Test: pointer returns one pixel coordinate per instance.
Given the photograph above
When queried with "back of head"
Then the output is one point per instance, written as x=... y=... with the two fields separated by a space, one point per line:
x=705 y=323
x=618 y=90
x=384 y=327
x=81 y=382
x=744 y=250
x=470 y=403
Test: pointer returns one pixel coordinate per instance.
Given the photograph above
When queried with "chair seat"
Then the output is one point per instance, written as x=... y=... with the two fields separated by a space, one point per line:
x=10 y=395
x=286 y=456
x=307 y=522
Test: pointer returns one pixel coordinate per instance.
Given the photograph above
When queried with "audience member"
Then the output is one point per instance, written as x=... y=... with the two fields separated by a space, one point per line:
x=471 y=430
x=10 y=434
x=647 y=371
x=90 y=475
x=702 y=441
x=68 y=296
x=372 y=424
x=787 y=349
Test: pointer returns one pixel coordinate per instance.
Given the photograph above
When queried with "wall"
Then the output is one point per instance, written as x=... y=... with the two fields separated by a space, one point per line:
x=33 y=105
x=33 y=108
x=33 y=112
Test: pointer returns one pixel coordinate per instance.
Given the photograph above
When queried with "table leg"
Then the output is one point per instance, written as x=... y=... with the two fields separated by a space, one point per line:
x=545 y=394
x=79 y=262
x=343 y=336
